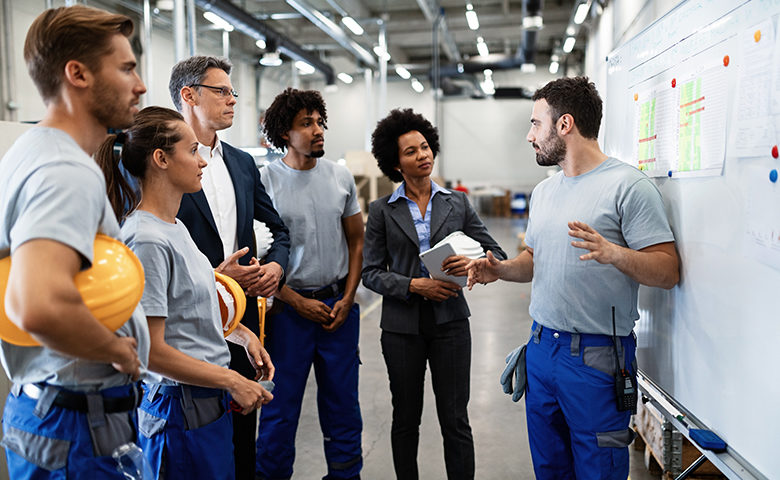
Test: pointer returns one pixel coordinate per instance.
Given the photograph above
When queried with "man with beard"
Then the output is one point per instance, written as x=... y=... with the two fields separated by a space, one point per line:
x=219 y=217
x=74 y=397
x=596 y=230
x=319 y=322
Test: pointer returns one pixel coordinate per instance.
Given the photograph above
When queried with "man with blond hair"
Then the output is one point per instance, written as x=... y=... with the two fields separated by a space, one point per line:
x=74 y=396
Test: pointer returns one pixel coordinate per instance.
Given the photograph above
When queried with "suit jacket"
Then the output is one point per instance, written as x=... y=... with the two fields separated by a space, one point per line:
x=252 y=202
x=391 y=256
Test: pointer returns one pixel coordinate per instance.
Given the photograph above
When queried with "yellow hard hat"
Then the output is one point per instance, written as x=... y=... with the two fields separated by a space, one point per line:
x=232 y=302
x=111 y=288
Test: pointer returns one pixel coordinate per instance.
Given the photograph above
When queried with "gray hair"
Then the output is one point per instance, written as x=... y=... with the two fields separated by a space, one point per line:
x=191 y=71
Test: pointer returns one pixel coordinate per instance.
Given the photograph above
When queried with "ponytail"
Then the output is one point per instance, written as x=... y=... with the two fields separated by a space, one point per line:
x=123 y=197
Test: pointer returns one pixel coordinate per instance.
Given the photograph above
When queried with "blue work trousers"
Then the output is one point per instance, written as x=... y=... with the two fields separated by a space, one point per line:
x=295 y=344
x=60 y=444
x=575 y=430
x=197 y=444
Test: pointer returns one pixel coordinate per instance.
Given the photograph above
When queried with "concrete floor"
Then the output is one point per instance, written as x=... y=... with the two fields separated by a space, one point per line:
x=499 y=323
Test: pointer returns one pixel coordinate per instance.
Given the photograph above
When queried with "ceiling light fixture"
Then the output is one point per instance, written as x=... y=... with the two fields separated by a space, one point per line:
x=582 y=12
x=471 y=17
x=352 y=25
x=488 y=86
x=403 y=72
x=482 y=47
x=417 y=86
x=568 y=44
x=218 y=21
x=554 y=67
x=535 y=22
x=304 y=67
x=271 y=59
x=382 y=53
x=345 y=77
x=260 y=44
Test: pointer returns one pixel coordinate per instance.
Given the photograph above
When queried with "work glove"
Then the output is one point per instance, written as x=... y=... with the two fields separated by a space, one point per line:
x=515 y=368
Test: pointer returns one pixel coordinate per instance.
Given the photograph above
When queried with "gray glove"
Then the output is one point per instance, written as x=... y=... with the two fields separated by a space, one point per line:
x=515 y=367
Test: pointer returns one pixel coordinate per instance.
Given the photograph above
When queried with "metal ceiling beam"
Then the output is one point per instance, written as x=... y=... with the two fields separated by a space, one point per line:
x=431 y=9
x=334 y=31
x=244 y=22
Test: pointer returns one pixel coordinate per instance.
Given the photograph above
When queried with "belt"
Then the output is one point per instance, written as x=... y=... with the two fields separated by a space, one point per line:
x=78 y=401
x=328 y=291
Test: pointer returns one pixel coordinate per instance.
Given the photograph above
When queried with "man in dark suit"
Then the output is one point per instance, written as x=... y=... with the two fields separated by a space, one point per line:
x=219 y=217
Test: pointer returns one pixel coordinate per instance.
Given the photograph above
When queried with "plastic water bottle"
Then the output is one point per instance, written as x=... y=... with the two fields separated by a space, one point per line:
x=131 y=463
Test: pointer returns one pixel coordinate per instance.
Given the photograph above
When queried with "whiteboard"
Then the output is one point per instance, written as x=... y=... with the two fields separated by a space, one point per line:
x=713 y=342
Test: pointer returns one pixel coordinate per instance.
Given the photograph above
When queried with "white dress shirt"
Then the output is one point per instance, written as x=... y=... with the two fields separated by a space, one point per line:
x=218 y=187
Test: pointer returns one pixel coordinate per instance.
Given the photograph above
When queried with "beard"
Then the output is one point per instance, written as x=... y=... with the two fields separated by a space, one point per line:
x=553 y=153
x=317 y=153
x=107 y=110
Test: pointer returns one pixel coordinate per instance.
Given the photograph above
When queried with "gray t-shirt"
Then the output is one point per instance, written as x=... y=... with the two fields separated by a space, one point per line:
x=626 y=208
x=51 y=189
x=312 y=204
x=180 y=286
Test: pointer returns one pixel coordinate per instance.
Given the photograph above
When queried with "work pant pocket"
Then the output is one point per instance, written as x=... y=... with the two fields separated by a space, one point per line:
x=210 y=449
x=26 y=450
x=617 y=442
x=117 y=429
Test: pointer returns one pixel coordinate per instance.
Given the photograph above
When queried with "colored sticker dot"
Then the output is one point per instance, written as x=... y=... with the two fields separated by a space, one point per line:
x=674 y=82
x=774 y=151
x=670 y=174
x=773 y=176
x=726 y=61
x=757 y=36
x=636 y=97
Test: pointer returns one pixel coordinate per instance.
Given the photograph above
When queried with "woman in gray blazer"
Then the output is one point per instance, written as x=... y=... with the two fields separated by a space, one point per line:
x=424 y=321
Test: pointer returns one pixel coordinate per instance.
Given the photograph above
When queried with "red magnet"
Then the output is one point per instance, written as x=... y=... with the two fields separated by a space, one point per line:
x=774 y=151
x=674 y=82
x=726 y=61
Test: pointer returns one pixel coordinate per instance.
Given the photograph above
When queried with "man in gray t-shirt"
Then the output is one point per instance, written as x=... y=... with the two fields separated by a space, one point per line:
x=597 y=229
x=73 y=399
x=319 y=322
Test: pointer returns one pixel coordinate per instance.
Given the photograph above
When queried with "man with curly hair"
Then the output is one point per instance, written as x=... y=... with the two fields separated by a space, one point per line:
x=319 y=321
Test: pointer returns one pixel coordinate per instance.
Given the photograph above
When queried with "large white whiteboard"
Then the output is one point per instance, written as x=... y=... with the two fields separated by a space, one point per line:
x=713 y=342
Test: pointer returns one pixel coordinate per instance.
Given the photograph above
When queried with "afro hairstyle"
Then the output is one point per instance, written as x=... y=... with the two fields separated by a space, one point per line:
x=280 y=115
x=384 y=140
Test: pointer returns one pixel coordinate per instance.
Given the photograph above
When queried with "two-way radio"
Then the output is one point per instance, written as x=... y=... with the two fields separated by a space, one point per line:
x=625 y=389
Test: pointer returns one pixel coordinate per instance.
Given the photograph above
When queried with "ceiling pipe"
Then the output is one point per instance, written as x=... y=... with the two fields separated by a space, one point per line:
x=257 y=29
x=333 y=31
x=431 y=9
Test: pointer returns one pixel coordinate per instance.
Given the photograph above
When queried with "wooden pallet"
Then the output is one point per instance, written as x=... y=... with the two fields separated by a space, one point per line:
x=667 y=451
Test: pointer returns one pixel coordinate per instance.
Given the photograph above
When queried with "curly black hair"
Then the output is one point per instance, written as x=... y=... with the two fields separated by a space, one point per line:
x=384 y=140
x=279 y=116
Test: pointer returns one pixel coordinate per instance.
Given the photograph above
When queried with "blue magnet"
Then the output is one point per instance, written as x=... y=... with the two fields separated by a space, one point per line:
x=669 y=173
x=773 y=176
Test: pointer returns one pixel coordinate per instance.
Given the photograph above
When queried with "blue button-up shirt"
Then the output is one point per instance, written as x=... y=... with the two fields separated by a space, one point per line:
x=422 y=224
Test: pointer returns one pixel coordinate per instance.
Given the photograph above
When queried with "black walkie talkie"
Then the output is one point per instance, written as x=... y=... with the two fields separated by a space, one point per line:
x=625 y=390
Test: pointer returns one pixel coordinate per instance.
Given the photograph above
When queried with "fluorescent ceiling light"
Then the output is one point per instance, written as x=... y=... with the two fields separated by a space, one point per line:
x=381 y=53
x=345 y=77
x=488 y=86
x=352 y=25
x=528 y=67
x=554 y=67
x=554 y=58
x=260 y=44
x=570 y=30
x=403 y=72
x=304 y=67
x=482 y=47
x=218 y=21
x=417 y=86
x=271 y=59
x=535 y=22
x=471 y=17
x=568 y=44
x=581 y=13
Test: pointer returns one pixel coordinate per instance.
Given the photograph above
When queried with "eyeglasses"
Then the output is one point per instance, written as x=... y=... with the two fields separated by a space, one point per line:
x=223 y=91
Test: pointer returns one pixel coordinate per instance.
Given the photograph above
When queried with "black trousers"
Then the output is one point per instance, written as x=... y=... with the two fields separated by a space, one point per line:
x=447 y=349
x=244 y=426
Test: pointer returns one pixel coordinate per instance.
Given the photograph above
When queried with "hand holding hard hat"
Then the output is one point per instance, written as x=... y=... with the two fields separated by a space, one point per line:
x=111 y=288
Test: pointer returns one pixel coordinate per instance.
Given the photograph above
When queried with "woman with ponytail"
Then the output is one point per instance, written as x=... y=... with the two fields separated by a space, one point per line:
x=185 y=427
